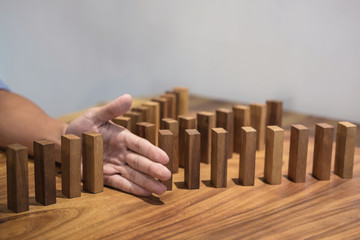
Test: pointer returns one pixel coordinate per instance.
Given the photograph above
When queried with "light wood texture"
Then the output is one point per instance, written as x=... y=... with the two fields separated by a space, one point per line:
x=123 y=121
x=185 y=122
x=92 y=148
x=298 y=153
x=192 y=159
x=144 y=112
x=273 y=154
x=205 y=122
x=135 y=118
x=44 y=159
x=166 y=141
x=17 y=178
x=183 y=103
x=258 y=122
x=219 y=140
x=70 y=165
x=274 y=109
x=171 y=103
x=225 y=119
x=173 y=126
x=163 y=104
x=241 y=119
x=345 y=149
x=154 y=115
x=146 y=130
x=324 y=134
x=247 y=156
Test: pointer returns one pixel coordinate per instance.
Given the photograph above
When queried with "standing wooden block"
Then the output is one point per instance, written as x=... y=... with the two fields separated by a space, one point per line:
x=225 y=119
x=44 y=163
x=205 y=122
x=166 y=141
x=258 y=121
x=273 y=154
x=298 y=153
x=177 y=95
x=324 y=134
x=163 y=103
x=173 y=126
x=123 y=121
x=274 y=111
x=345 y=149
x=183 y=100
x=146 y=130
x=154 y=115
x=219 y=140
x=185 y=122
x=247 y=156
x=171 y=100
x=92 y=147
x=144 y=112
x=192 y=159
x=241 y=119
x=70 y=165
x=17 y=178
x=135 y=118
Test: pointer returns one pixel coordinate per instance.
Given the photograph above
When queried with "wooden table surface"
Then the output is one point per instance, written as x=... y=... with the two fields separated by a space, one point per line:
x=310 y=210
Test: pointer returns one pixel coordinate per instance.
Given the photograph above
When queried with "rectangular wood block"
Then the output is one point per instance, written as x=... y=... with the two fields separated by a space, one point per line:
x=70 y=165
x=274 y=110
x=183 y=103
x=225 y=119
x=123 y=121
x=146 y=130
x=135 y=118
x=247 y=156
x=17 y=178
x=192 y=159
x=258 y=122
x=92 y=148
x=171 y=99
x=324 y=134
x=44 y=164
x=173 y=126
x=219 y=148
x=163 y=103
x=144 y=112
x=205 y=122
x=241 y=119
x=298 y=153
x=273 y=154
x=166 y=141
x=177 y=97
x=154 y=115
x=345 y=149
x=185 y=122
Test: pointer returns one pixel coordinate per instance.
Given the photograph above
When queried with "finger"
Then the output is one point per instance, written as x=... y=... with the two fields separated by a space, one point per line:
x=123 y=184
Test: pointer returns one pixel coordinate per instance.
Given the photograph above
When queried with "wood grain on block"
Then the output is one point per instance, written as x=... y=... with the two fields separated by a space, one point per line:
x=247 y=156
x=192 y=159
x=225 y=119
x=298 y=153
x=123 y=121
x=173 y=126
x=324 y=134
x=154 y=115
x=163 y=104
x=345 y=149
x=92 y=148
x=135 y=118
x=185 y=122
x=274 y=110
x=219 y=157
x=241 y=119
x=17 y=178
x=205 y=122
x=144 y=112
x=44 y=163
x=183 y=100
x=146 y=130
x=273 y=154
x=258 y=122
x=166 y=141
x=171 y=103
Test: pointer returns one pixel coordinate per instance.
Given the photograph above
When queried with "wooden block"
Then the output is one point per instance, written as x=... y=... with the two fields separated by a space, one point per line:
x=146 y=130
x=241 y=119
x=324 y=134
x=171 y=100
x=274 y=110
x=258 y=122
x=225 y=119
x=70 y=165
x=298 y=153
x=192 y=159
x=205 y=122
x=144 y=112
x=273 y=154
x=166 y=141
x=163 y=103
x=92 y=147
x=173 y=126
x=219 y=148
x=177 y=95
x=345 y=149
x=183 y=100
x=123 y=121
x=17 y=178
x=135 y=118
x=44 y=164
x=154 y=115
x=185 y=122
x=247 y=156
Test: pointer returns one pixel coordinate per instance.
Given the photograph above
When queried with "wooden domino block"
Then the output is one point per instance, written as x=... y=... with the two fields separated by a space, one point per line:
x=70 y=165
x=144 y=112
x=17 y=178
x=44 y=164
x=123 y=121
x=163 y=103
x=183 y=102
x=173 y=126
x=205 y=122
x=258 y=122
x=192 y=159
x=225 y=119
x=177 y=97
x=273 y=154
x=247 y=156
x=298 y=153
x=146 y=130
x=324 y=134
x=274 y=111
x=241 y=119
x=345 y=149
x=154 y=115
x=185 y=122
x=135 y=118
x=92 y=148
x=166 y=141
x=171 y=100
x=219 y=148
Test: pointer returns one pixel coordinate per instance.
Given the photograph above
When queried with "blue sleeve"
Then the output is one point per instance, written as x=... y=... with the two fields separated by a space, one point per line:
x=3 y=86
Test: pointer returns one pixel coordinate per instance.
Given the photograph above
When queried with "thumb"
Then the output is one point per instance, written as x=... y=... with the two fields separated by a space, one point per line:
x=114 y=108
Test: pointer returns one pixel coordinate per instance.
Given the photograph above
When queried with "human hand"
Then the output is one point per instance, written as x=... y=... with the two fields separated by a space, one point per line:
x=131 y=164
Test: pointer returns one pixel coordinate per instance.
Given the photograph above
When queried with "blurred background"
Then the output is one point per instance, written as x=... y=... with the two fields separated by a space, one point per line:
x=69 y=55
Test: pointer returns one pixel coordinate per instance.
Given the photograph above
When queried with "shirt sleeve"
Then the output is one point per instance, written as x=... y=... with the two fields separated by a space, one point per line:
x=3 y=86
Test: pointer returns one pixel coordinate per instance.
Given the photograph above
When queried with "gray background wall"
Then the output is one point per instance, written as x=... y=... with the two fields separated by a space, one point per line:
x=69 y=55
